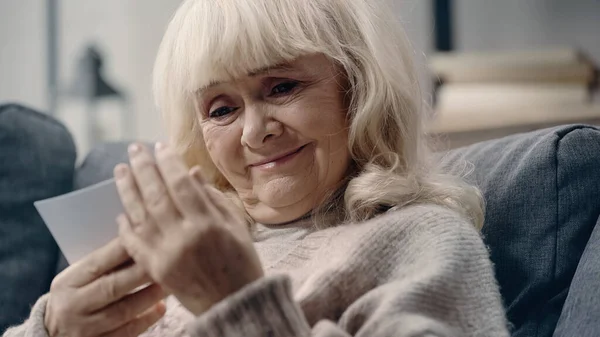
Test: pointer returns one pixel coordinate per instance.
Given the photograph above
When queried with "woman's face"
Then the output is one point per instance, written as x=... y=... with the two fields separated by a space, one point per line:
x=279 y=136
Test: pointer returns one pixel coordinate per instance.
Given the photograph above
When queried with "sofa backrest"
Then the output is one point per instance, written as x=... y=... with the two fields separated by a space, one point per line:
x=542 y=191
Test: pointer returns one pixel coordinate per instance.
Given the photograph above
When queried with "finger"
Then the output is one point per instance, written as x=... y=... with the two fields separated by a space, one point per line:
x=133 y=203
x=152 y=187
x=95 y=264
x=215 y=196
x=113 y=287
x=140 y=324
x=228 y=207
x=188 y=199
x=137 y=247
x=127 y=309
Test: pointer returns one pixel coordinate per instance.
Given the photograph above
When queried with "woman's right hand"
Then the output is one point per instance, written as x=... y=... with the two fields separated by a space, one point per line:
x=93 y=297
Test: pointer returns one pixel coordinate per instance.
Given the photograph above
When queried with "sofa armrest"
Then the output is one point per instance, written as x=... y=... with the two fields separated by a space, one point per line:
x=581 y=313
x=37 y=157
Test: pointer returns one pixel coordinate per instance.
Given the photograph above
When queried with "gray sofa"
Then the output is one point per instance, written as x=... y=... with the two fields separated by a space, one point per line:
x=542 y=191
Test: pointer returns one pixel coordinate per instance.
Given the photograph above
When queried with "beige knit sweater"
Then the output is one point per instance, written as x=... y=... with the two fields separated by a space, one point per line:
x=418 y=271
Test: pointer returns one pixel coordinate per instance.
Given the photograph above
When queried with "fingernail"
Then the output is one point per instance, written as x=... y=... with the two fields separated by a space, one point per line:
x=161 y=308
x=120 y=171
x=119 y=219
x=134 y=149
x=159 y=146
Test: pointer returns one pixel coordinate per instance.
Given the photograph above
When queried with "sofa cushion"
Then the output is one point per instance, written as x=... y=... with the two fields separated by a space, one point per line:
x=37 y=157
x=542 y=191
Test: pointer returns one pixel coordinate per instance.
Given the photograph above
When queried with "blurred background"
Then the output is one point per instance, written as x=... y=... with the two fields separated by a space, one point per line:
x=488 y=67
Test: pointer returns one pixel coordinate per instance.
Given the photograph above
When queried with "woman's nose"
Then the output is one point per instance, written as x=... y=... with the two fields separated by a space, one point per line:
x=259 y=127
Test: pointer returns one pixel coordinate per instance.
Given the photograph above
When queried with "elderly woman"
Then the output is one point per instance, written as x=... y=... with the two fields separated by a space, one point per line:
x=311 y=207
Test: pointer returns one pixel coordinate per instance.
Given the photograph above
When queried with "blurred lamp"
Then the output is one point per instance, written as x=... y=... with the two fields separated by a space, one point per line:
x=90 y=85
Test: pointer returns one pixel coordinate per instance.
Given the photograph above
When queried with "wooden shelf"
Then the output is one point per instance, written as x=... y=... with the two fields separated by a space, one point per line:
x=464 y=128
x=444 y=122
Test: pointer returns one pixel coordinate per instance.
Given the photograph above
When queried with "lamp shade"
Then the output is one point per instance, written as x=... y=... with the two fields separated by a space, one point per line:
x=89 y=82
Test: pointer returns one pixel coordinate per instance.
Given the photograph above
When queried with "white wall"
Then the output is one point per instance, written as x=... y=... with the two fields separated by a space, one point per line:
x=416 y=18
x=23 y=52
x=128 y=33
x=525 y=24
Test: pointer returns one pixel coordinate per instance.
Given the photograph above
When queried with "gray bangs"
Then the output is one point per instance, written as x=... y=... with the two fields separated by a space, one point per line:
x=219 y=40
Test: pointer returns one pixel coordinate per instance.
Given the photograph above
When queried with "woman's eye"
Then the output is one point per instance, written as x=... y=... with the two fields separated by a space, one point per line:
x=221 y=112
x=283 y=88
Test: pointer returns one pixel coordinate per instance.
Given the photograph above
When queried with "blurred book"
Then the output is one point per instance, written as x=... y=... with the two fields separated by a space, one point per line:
x=504 y=91
x=529 y=117
x=552 y=65
x=480 y=97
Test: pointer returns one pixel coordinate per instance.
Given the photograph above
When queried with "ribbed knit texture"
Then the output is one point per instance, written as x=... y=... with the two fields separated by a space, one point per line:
x=419 y=271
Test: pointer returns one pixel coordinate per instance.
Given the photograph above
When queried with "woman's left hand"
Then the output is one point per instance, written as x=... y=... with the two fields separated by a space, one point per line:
x=182 y=231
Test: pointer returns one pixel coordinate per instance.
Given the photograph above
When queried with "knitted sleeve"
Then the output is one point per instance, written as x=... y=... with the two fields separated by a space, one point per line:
x=34 y=326
x=429 y=277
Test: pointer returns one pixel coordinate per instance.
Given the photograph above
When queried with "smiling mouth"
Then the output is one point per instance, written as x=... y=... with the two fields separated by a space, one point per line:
x=278 y=160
